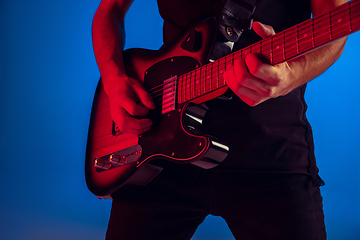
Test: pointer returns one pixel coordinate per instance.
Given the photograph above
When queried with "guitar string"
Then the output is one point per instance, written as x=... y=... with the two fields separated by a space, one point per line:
x=222 y=65
x=350 y=20
x=184 y=80
x=322 y=24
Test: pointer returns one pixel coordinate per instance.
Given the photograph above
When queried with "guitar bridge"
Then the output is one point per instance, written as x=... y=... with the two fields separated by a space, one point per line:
x=117 y=159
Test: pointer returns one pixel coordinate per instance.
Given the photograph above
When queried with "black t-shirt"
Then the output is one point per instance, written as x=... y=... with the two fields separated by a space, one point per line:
x=274 y=136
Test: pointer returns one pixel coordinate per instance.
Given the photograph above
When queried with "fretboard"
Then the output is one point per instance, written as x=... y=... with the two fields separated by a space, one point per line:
x=283 y=46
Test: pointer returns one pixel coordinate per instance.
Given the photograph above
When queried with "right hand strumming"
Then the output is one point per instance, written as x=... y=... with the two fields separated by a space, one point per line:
x=129 y=101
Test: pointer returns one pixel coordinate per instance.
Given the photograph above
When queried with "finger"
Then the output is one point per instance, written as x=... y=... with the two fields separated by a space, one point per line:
x=137 y=131
x=144 y=96
x=134 y=108
x=230 y=79
x=246 y=79
x=250 y=97
x=235 y=83
x=263 y=30
x=265 y=72
x=128 y=124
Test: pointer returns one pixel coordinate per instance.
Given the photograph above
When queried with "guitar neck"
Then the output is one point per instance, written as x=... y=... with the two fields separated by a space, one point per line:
x=283 y=46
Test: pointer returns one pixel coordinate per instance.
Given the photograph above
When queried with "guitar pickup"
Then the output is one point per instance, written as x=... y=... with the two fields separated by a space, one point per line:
x=169 y=95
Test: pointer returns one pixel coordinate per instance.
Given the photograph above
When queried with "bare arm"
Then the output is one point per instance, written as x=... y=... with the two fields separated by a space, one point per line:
x=255 y=82
x=127 y=97
x=107 y=35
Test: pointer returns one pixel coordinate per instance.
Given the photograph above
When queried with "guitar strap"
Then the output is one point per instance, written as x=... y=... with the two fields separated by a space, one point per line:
x=236 y=18
x=233 y=20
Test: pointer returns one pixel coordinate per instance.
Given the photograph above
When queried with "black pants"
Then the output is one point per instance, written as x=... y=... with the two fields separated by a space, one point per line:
x=255 y=206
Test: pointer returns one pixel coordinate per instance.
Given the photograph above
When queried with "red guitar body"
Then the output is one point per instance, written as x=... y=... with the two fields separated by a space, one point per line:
x=169 y=137
x=182 y=77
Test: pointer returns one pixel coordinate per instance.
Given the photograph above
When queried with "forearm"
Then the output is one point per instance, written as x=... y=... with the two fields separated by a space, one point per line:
x=108 y=38
x=311 y=65
x=255 y=82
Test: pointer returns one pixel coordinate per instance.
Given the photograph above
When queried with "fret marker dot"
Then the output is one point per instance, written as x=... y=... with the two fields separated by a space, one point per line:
x=305 y=35
x=188 y=86
x=197 y=81
x=277 y=47
x=339 y=20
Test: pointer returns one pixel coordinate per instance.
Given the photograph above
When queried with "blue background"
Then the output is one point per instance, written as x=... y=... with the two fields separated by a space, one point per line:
x=48 y=75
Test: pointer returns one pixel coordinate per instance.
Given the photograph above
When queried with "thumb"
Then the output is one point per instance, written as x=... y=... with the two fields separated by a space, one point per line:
x=263 y=30
x=144 y=97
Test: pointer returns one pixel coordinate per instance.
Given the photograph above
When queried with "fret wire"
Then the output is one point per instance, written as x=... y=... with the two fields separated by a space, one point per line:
x=271 y=51
x=198 y=87
x=349 y=13
x=190 y=85
x=206 y=73
x=220 y=73
x=277 y=47
x=304 y=37
x=188 y=88
x=196 y=84
x=297 y=39
x=179 y=89
x=208 y=77
x=183 y=89
x=284 y=54
x=193 y=76
x=330 y=26
x=198 y=79
x=184 y=86
x=212 y=75
x=313 y=31
x=217 y=74
x=338 y=23
x=202 y=70
x=176 y=93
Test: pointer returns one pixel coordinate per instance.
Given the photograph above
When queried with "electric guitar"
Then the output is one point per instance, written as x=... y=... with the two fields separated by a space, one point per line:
x=180 y=78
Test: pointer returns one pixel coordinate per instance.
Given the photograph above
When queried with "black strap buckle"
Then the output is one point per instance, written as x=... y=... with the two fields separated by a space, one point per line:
x=236 y=17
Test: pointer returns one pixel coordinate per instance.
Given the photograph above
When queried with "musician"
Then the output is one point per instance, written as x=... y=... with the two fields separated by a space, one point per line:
x=268 y=185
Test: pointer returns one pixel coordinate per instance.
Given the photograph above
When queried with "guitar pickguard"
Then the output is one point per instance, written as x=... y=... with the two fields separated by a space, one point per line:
x=170 y=137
